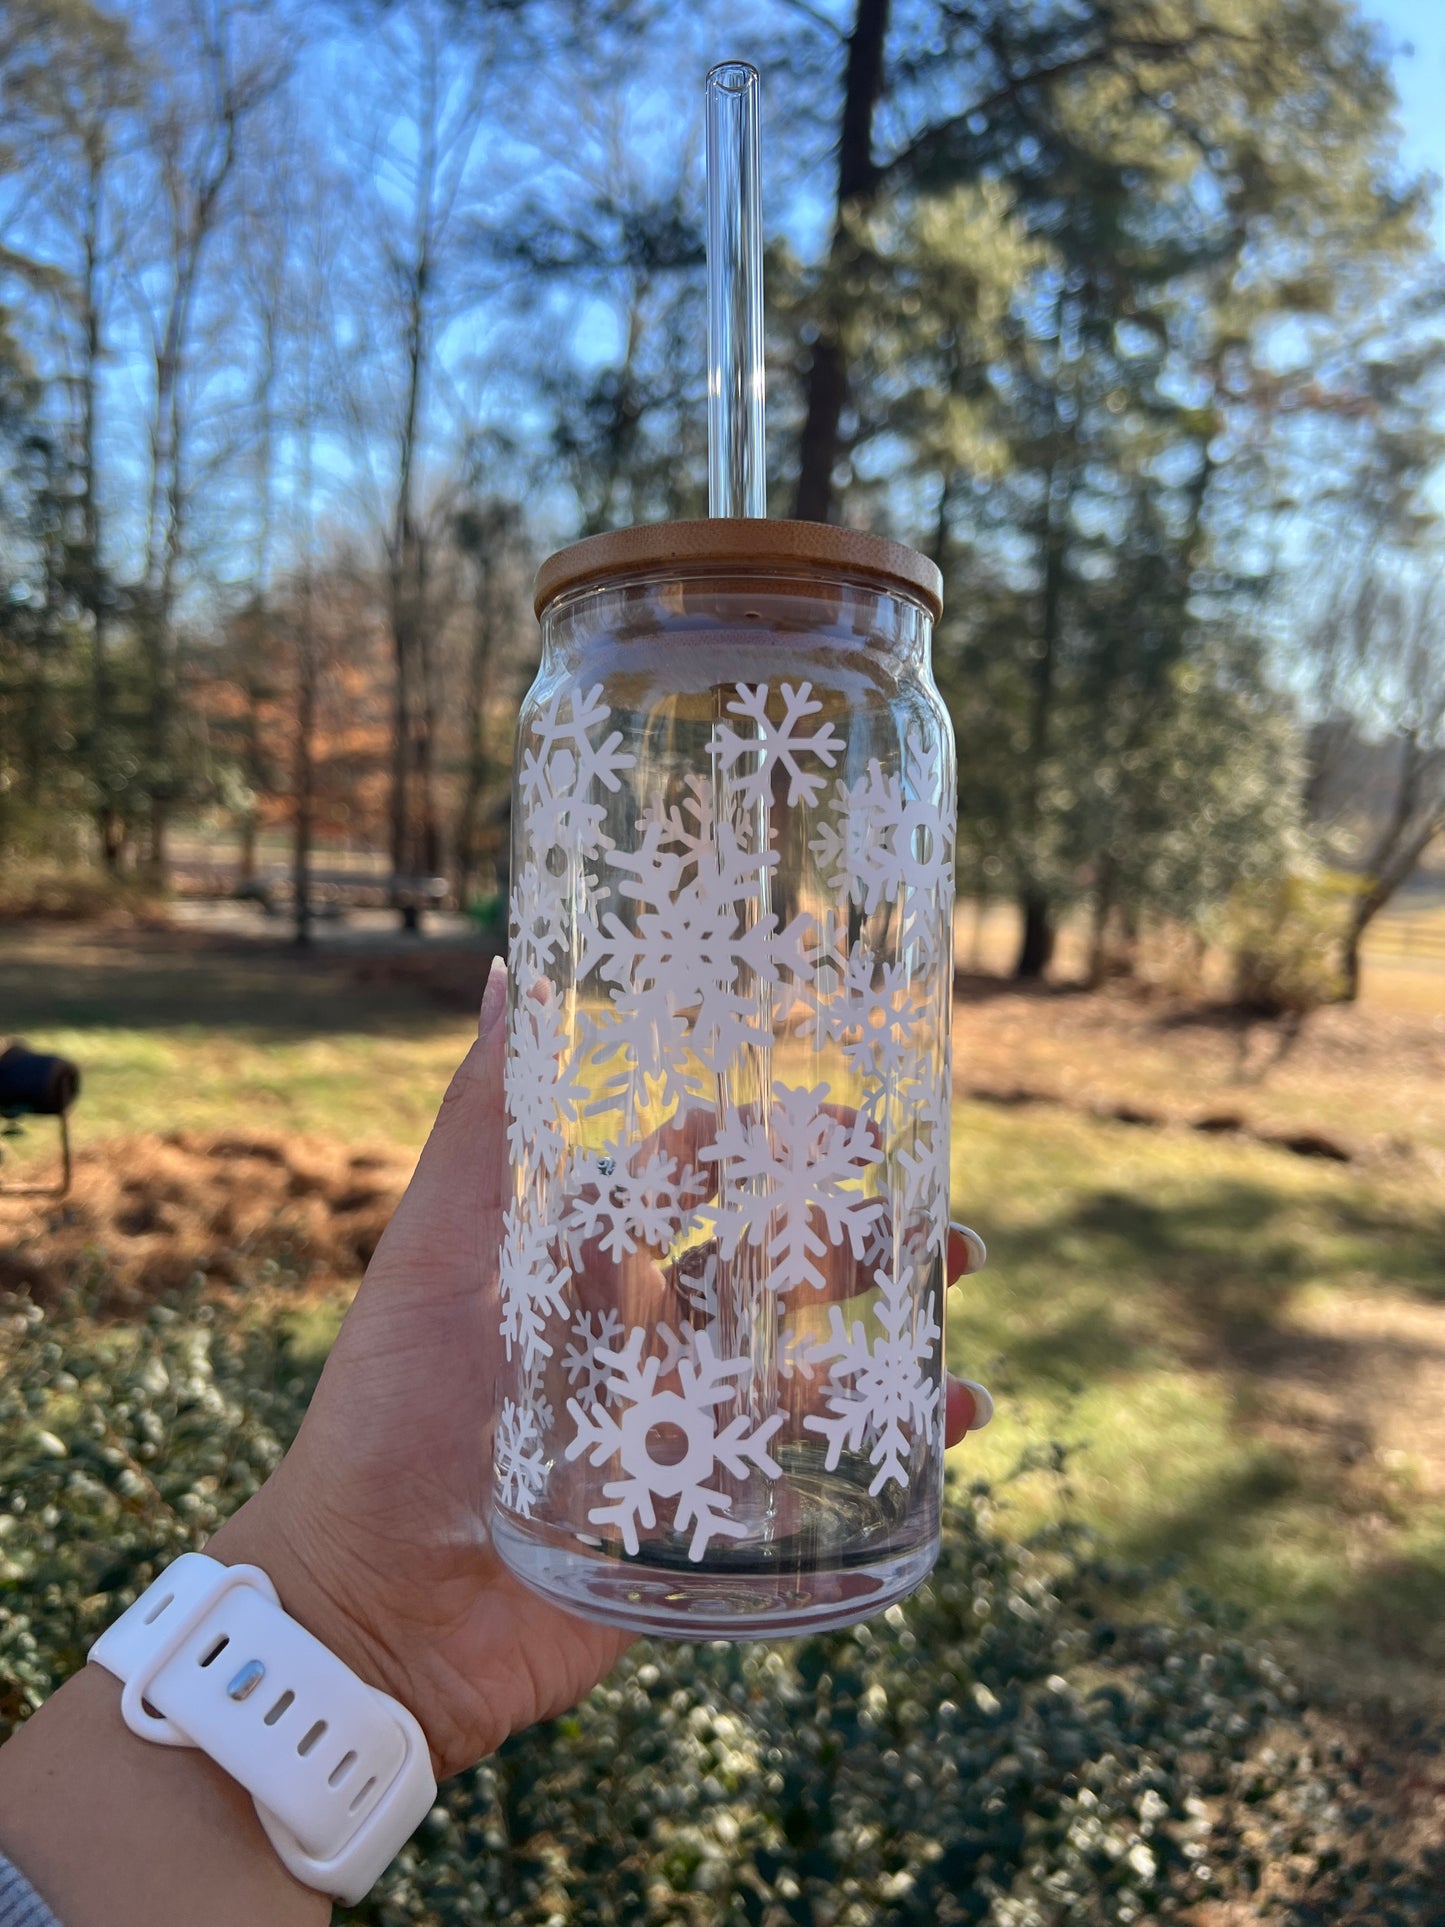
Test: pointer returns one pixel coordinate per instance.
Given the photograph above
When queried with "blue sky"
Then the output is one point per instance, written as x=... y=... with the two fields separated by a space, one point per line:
x=1416 y=30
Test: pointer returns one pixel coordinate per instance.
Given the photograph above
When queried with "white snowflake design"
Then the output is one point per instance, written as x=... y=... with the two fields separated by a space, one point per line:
x=776 y=745
x=703 y=1386
x=885 y=1388
x=536 y=933
x=557 y=779
x=585 y=1359
x=782 y=1177
x=521 y=1469
x=891 y=841
x=541 y=1080
x=697 y=1275
x=686 y=976
x=532 y=1283
x=620 y=1203
x=875 y=1018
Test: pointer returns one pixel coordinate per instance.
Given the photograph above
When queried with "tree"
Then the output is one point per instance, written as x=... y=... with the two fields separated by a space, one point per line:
x=1103 y=512
x=490 y=532
x=1378 y=649
x=71 y=87
x=223 y=61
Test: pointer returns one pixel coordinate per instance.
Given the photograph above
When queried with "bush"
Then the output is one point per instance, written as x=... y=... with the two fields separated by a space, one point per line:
x=1284 y=937
x=73 y=893
x=1002 y=1750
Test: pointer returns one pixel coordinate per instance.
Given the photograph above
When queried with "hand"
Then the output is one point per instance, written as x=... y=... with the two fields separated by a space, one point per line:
x=374 y=1528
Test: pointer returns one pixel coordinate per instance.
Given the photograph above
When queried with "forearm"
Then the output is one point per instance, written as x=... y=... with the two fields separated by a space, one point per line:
x=114 y=1831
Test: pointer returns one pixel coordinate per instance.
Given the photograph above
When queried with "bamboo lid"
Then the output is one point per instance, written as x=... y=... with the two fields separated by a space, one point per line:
x=728 y=544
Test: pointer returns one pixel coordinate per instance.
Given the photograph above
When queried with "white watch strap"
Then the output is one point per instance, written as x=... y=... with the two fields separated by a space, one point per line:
x=339 y=1772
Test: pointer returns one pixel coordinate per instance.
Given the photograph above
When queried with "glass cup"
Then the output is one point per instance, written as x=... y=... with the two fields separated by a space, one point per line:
x=728 y=1083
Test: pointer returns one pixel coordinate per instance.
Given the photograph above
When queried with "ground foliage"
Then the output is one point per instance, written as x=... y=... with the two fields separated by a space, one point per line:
x=1016 y=1746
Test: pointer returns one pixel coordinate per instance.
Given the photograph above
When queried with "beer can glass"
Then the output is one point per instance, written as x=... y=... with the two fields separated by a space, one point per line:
x=727 y=1083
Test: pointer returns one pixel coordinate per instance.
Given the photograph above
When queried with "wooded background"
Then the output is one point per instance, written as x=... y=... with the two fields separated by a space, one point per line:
x=321 y=324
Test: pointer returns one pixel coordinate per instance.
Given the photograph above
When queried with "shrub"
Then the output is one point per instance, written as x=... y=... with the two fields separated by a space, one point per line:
x=1004 y=1749
x=73 y=893
x=1284 y=937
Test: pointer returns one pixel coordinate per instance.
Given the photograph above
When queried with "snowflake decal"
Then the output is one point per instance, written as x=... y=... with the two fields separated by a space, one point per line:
x=875 y=1018
x=624 y=1434
x=781 y=1178
x=541 y=1080
x=686 y=967
x=532 y=1284
x=697 y=1274
x=891 y=841
x=536 y=931
x=620 y=1204
x=776 y=745
x=585 y=1360
x=885 y=1388
x=557 y=778
x=521 y=1470
x=928 y=1173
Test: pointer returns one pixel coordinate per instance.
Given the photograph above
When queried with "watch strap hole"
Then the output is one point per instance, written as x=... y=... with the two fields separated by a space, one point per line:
x=155 y=1612
x=305 y=1744
x=279 y=1708
x=220 y=1646
x=357 y=1798
x=342 y=1767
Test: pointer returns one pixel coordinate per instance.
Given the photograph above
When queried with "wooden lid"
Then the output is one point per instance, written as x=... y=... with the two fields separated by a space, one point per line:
x=727 y=544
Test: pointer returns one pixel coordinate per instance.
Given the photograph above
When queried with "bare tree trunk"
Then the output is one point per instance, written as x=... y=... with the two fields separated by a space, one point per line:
x=478 y=762
x=94 y=590
x=1037 y=946
x=827 y=389
x=405 y=578
x=1393 y=861
x=1104 y=888
x=304 y=780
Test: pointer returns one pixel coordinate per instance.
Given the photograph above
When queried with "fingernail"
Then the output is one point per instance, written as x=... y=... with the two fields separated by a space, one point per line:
x=982 y=1403
x=977 y=1249
x=494 y=998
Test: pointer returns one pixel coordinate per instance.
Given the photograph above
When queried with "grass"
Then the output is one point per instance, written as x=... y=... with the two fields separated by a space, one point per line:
x=1241 y=1351
x=1199 y=1324
x=185 y=1039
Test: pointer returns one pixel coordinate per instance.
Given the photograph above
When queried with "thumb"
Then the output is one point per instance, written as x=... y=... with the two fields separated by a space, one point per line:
x=447 y=1219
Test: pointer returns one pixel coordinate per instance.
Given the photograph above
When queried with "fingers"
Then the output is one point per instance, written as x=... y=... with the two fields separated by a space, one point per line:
x=967 y=1253
x=968 y=1408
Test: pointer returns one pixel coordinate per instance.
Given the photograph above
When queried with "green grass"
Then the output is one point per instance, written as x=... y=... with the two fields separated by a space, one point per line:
x=1157 y=1302
x=196 y=1040
x=1158 y=1305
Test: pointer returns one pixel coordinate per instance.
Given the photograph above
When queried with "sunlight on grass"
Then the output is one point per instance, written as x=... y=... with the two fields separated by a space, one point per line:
x=1139 y=1311
x=1181 y=1314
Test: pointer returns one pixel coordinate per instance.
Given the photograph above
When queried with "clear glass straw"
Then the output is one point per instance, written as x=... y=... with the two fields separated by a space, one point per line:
x=736 y=472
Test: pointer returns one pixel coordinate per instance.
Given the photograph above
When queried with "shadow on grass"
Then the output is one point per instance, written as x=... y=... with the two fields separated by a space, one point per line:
x=264 y=994
x=1230 y=1257
x=1207 y=1282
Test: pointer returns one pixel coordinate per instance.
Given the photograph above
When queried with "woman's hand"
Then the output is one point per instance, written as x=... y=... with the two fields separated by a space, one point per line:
x=374 y=1528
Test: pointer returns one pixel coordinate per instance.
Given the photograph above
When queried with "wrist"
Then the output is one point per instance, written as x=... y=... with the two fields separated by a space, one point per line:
x=323 y=1592
x=170 y=1839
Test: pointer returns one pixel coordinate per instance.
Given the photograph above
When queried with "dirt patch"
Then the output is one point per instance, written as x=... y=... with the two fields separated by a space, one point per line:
x=146 y=1215
x=452 y=979
x=1343 y=1084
